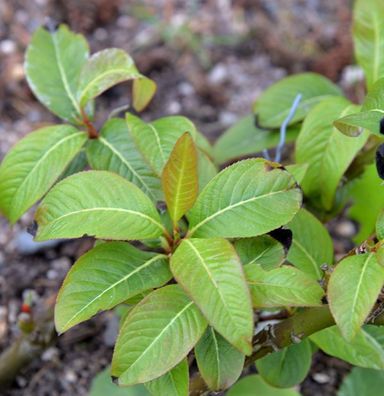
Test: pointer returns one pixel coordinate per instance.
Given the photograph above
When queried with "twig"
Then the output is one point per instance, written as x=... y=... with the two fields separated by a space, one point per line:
x=283 y=130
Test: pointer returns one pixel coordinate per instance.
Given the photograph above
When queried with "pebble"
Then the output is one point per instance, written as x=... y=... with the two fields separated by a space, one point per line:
x=7 y=47
x=25 y=244
x=70 y=376
x=321 y=378
x=218 y=74
x=50 y=354
x=345 y=229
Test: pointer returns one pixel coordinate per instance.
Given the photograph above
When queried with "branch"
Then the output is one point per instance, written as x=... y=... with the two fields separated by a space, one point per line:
x=28 y=346
x=289 y=331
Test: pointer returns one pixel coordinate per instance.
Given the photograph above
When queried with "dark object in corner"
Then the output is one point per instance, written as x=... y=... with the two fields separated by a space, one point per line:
x=380 y=160
x=382 y=126
x=284 y=236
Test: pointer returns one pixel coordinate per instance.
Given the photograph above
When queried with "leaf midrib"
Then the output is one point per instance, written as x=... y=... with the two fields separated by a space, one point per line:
x=359 y=284
x=170 y=323
x=106 y=209
x=113 y=285
x=230 y=207
x=309 y=256
x=63 y=75
x=128 y=165
x=100 y=77
x=42 y=158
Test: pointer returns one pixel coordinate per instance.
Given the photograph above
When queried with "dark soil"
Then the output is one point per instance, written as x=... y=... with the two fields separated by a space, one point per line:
x=211 y=59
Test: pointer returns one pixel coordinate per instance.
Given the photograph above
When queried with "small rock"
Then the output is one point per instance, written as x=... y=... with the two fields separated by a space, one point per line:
x=186 y=89
x=70 y=376
x=346 y=229
x=7 y=47
x=218 y=74
x=25 y=244
x=50 y=354
x=174 y=107
x=321 y=378
x=111 y=331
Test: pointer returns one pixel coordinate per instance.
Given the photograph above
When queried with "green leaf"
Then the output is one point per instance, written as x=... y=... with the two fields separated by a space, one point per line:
x=284 y=286
x=262 y=250
x=119 y=272
x=116 y=151
x=253 y=385
x=173 y=383
x=219 y=363
x=362 y=382
x=327 y=152
x=102 y=385
x=365 y=350
x=179 y=178
x=52 y=65
x=366 y=207
x=157 y=335
x=143 y=91
x=370 y=115
x=249 y=198
x=97 y=203
x=34 y=164
x=298 y=171
x=312 y=248
x=353 y=288
x=274 y=104
x=368 y=37
x=380 y=226
x=155 y=140
x=102 y=71
x=211 y=273
x=287 y=367
x=244 y=138
x=206 y=169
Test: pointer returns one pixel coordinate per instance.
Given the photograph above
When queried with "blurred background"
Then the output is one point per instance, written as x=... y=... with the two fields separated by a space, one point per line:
x=211 y=59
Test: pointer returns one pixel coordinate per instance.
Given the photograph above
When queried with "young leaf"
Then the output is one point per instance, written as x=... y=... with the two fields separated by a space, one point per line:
x=162 y=328
x=262 y=250
x=179 y=178
x=210 y=272
x=312 y=248
x=368 y=37
x=102 y=71
x=327 y=152
x=287 y=367
x=155 y=140
x=362 y=382
x=370 y=116
x=365 y=350
x=119 y=272
x=97 y=203
x=253 y=385
x=249 y=198
x=33 y=166
x=244 y=138
x=274 y=104
x=284 y=286
x=116 y=151
x=52 y=65
x=353 y=288
x=366 y=207
x=219 y=363
x=143 y=91
x=173 y=383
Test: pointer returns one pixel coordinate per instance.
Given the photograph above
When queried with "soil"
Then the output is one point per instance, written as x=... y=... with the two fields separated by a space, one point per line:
x=211 y=60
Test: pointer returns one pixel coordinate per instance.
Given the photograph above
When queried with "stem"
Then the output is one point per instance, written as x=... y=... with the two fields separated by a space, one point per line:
x=92 y=132
x=27 y=347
